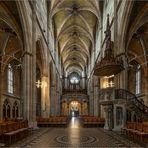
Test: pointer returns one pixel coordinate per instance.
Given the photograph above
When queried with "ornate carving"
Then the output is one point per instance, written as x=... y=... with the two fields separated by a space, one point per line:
x=131 y=99
x=106 y=94
x=75 y=9
x=108 y=65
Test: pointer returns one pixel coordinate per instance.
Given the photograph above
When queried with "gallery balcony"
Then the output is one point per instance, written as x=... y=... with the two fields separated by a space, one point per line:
x=74 y=91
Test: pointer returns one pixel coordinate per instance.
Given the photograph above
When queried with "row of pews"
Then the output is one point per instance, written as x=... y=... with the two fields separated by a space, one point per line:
x=12 y=131
x=137 y=131
x=62 y=121
x=55 y=121
x=91 y=121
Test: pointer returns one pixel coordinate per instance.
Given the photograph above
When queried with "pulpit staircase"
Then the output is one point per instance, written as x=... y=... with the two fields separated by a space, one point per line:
x=132 y=103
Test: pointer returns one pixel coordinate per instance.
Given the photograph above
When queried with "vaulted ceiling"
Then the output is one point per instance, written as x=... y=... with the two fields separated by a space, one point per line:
x=10 y=33
x=137 y=44
x=74 y=24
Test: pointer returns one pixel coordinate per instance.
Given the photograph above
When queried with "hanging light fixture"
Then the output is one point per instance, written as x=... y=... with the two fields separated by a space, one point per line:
x=109 y=65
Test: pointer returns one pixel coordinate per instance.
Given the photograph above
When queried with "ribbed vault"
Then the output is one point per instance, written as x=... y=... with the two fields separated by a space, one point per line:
x=74 y=23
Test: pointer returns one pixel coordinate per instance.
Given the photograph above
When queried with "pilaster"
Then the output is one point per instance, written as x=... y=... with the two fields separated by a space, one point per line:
x=45 y=102
x=29 y=75
x=1 y=84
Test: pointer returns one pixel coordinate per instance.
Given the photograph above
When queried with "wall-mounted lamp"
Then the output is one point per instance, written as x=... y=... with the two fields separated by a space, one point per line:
x=42 y=84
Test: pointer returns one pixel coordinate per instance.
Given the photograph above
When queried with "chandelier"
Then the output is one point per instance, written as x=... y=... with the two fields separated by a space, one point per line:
x=109 y=65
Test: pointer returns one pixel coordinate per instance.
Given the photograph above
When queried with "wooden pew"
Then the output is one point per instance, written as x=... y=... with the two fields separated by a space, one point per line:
x=13 y=131
x=90 y=121
x=58 y=121
x=137 y=131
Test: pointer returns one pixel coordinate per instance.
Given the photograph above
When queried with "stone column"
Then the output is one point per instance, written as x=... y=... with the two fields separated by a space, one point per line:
x=27 y=87
x=96 y=89
x=55 y=102
x=52 y=94
x=108 y=117
x=59 y=96
x=66 y=82
x=56 y=97
x=58 y=105
x=106 y=126
x=124 y=75
x=45 y=102
x=29 y=76
x=34 y=64
x=1 y=85
x=91 y=97
x=83 y=82
x=54 y=90
x=91 y=104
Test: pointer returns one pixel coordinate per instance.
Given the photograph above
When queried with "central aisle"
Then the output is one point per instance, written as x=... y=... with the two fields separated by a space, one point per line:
x=74 y=136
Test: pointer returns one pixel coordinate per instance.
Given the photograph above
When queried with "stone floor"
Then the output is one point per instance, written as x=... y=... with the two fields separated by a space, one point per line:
x=75 y=136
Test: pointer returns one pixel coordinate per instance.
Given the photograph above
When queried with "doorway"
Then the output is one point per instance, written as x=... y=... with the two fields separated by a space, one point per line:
x=75 y=109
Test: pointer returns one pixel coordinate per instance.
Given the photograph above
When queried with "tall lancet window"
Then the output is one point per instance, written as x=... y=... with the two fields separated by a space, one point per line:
x=138 y=79
x=10 y=79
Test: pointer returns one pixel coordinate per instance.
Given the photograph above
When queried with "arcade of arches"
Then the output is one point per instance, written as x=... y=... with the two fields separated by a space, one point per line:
x=49 y=51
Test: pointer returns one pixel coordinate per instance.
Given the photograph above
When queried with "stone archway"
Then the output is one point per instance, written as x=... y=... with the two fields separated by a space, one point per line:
x=11 y=51
x=75 y=108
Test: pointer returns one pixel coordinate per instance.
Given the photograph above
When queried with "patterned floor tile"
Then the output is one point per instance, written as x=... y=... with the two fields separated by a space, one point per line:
x=75 y=136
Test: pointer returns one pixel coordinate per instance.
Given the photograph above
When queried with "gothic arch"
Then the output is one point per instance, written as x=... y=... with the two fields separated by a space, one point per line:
x=25 y=25
x=140 y=20
x=7 y=109
x=125 y=21
x=15 y=109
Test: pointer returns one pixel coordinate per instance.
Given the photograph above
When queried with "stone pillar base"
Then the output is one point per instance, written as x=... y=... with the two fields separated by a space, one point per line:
x=33 y=124
x=106 y=127
x=117 y=128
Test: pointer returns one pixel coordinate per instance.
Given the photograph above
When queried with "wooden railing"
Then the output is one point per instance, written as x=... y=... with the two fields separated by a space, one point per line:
x=131 y=98
x=110 y=95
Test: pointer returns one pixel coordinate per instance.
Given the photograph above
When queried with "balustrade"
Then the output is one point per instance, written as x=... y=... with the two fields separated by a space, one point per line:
x=74 y=91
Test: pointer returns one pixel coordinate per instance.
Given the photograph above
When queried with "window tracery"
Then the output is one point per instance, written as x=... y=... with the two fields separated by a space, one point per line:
x=10 y=79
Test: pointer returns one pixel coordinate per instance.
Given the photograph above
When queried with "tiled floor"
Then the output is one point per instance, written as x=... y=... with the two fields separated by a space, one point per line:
x=75 y=136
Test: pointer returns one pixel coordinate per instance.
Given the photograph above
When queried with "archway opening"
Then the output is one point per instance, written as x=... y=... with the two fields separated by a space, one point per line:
x=75 y=108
